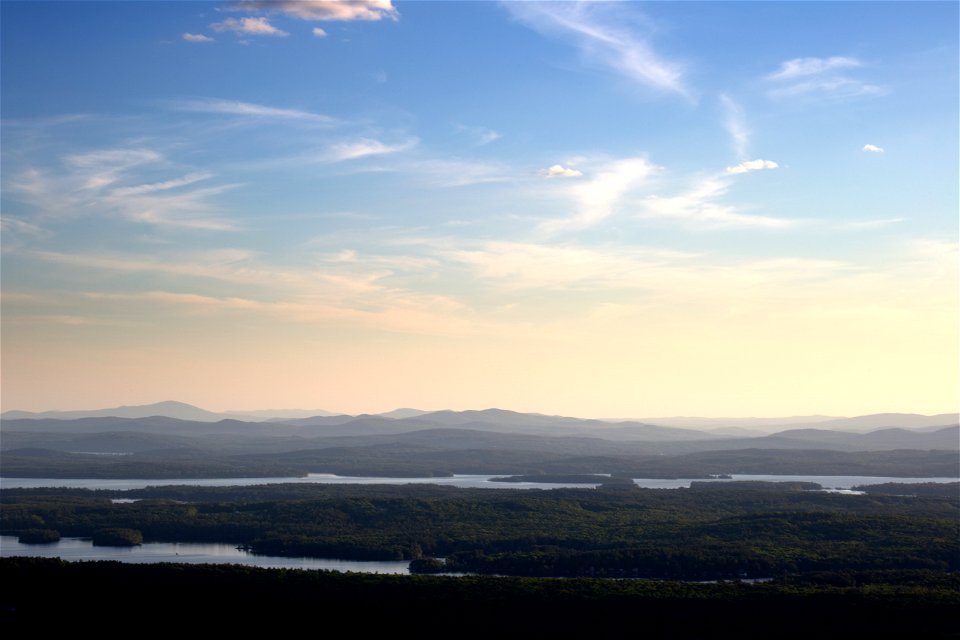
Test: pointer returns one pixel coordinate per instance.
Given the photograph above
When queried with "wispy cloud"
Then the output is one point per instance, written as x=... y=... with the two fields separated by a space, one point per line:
x=567 y=266
x=10 y=224
x=346 y=288
x=481 y=135
x=105 y=166
x=233 y=265
x=617 y=188
x=599 y=31
x=872 y=148
x=123 y=157
x=736 y=125
x=376 y=291
x=660 y=278
x=599 y=197
x=319 y=33
x=249 y=26
x=324 y=10
x=458 y=173
x=823 y=76
x=874 y=224
x=364 y=147
x=161 y=186
x=701 y=208
x=805 y=67
x=197 y=37
x=251 y=110
x=558 y=170
x=752 y=165
x=189 y=209
x=191 y=299
x=99 y=183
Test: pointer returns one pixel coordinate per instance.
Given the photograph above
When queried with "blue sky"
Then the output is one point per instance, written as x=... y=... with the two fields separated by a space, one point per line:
x=603 y=209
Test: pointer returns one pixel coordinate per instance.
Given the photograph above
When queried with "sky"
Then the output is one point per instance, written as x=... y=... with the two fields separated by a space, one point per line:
x=580 y=208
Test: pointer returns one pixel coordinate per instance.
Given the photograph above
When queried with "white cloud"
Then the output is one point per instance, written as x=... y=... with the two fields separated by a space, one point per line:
x=188 y=209
x=99 y=183
x=736 y=125
x=560 y=170
x=324 y=10
x=235 y=108
x=700 y=208
x=752 y=165
x=161 y=186
x=872 y=148
x=839 y=87
x=319 y=33
x=825 y=76
x=599 y=31
x=599 y=197
x=197 y=37
x=250 y=26
x=803 y=67
x=363 y=148
x=101 y=168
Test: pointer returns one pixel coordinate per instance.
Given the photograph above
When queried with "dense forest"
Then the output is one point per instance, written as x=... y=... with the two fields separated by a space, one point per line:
x=425 y=462
x=193 y=599
x=711 y=531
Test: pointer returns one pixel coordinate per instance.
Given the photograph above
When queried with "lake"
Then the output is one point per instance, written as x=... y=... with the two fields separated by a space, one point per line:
x=463 y=481
x=77 y=549
x=830 y=483
x=840 y=483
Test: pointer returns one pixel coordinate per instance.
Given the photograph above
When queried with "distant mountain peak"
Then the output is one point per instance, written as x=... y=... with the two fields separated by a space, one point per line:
x=404 y=412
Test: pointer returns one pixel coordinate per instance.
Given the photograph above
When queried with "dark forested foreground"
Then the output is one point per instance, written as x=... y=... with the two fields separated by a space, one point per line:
x=708 y=532
x=50 y=595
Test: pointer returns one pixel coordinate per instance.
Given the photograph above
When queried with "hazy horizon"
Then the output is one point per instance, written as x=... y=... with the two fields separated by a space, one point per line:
x=684 y=421
x=585 y=209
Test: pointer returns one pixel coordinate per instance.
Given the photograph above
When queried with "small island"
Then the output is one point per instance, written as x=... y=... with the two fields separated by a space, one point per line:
x=927 y=489
x=38 y=536
x=118 y=537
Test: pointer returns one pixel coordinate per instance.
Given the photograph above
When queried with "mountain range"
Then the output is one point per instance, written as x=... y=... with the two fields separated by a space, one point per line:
x=490 y=428
x=680 y=426
x=194 y=443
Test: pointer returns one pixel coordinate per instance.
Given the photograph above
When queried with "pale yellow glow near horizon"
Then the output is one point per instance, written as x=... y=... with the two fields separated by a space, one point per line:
x=772 y=356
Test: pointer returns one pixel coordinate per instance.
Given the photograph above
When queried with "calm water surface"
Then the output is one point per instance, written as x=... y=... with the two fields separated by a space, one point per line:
x=465 y=481
x=75 y=549
x=833 y=483
x=840 y=483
